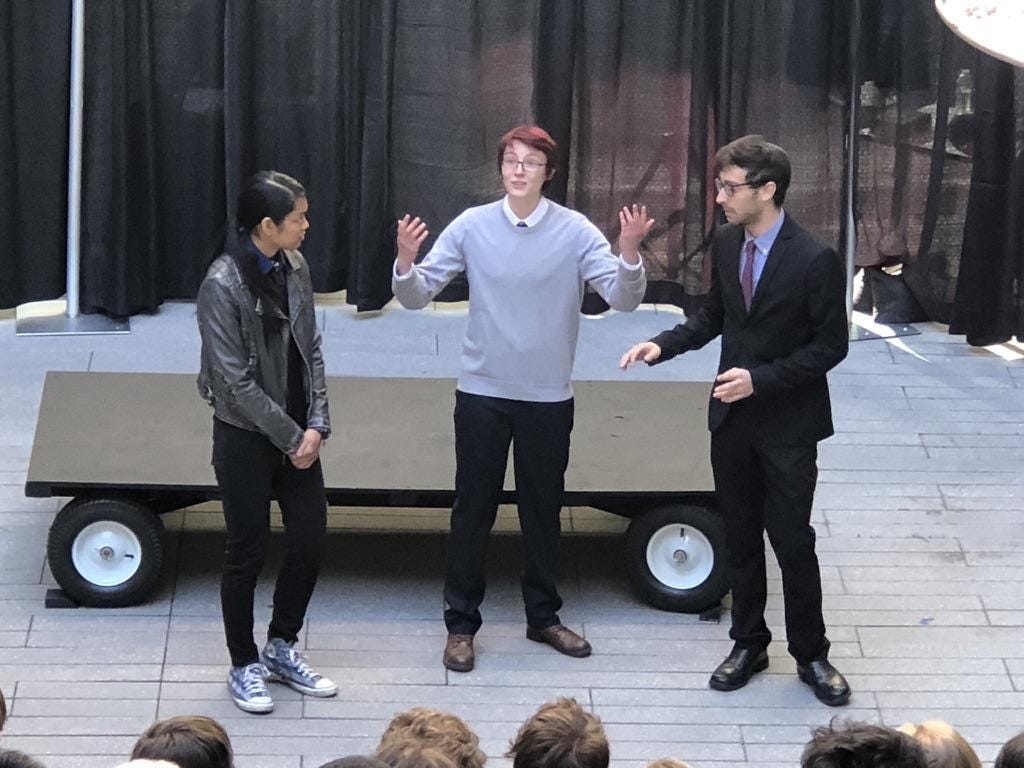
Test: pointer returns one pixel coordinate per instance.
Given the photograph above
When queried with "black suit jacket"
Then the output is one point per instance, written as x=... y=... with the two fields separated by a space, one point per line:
x=795 y=332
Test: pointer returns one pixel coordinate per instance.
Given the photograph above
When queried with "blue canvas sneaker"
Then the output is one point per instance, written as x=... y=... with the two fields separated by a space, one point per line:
x=248 y=688
x=287 y=665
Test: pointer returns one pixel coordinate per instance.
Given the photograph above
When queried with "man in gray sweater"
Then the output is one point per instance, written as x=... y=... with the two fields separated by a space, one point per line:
x=527 y=260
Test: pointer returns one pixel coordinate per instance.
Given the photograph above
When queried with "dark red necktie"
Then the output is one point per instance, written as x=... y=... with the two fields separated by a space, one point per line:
x=747 y=274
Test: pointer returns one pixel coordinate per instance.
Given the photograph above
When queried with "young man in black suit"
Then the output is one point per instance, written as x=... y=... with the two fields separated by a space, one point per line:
x=777 y=299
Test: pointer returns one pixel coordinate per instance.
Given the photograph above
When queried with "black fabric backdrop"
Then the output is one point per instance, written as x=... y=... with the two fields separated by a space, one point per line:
x=387 y=106
x=34 y=65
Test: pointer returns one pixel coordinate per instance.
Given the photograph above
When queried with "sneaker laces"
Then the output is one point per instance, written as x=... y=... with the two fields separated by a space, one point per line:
x=254 y=679
x=298 y=661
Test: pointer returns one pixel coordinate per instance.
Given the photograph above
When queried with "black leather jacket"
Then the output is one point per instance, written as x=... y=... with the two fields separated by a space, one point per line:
x=234 y=376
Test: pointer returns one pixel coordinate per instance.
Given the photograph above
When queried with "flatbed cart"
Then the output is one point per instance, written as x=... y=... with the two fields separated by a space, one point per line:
x=128 y=447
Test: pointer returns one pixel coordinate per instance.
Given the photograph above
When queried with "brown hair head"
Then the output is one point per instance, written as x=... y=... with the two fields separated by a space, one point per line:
x=190 y=741
x=1012 y=753
x=561 y=734
x=433 y=729
x=861 y=745
x=761 y=160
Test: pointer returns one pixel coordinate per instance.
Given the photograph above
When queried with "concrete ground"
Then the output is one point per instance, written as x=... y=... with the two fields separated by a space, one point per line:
x=919 y=511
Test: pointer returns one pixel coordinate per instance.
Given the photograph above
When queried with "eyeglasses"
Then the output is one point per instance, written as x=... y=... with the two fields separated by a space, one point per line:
x=730 y=189
x=529 y=165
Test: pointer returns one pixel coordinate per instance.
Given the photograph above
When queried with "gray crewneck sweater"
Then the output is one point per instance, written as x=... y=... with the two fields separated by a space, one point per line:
x=525 y=289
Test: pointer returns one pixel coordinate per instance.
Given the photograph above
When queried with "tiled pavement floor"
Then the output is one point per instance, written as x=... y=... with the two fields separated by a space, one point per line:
x=919 y=513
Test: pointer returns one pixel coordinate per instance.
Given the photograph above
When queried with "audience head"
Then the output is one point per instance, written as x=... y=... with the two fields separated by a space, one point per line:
x=1012 y=753
x=191 y=741
x=433 y=731
x=861 y=745
x=356 y=761
x=12 y=758
x=943 y=746
x=3 y=710
x=409 y=753
x=667 y=762
x=561 y=734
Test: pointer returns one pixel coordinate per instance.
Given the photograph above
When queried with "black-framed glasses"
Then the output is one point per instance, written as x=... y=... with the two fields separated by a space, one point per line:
x=529 y=165
x=730 y=188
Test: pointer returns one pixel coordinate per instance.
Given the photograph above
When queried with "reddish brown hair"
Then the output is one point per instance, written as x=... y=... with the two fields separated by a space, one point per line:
x=536 y=138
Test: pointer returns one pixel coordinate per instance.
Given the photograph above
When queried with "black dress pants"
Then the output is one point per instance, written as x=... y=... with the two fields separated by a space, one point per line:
x=250 y=470
x=763 y=486
x=539 y=433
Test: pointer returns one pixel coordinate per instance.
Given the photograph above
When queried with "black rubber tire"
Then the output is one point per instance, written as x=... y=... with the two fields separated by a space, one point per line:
x=696 y=597
x=73 y=519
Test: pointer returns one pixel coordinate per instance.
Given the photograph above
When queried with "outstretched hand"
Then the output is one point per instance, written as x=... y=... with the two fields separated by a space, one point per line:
x=634 y=226
x=411 y=234
x=646 y=351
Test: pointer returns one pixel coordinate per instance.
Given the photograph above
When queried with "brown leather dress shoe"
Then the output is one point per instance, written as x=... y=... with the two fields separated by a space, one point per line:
x=562 y=639
x=458 y=653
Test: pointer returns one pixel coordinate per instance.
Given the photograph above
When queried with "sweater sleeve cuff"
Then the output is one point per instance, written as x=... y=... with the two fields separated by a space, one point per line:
x=632 y=267
x=400 y=278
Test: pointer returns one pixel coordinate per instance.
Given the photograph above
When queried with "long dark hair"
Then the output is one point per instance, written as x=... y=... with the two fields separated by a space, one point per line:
x=265 y=194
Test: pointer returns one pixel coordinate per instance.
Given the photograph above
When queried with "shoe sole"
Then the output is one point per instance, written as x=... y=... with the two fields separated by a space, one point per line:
x=537 y=637
x=456 y=667
x=760 y=666
x=320 y=693
x=254 y=709
x=836 y=702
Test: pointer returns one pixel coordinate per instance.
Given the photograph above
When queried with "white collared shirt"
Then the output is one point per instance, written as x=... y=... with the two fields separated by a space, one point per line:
x=530 y=221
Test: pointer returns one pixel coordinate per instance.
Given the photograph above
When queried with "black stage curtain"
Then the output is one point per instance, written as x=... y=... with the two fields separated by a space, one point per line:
x=386 y=106
x=34 y=63
x=987 y=307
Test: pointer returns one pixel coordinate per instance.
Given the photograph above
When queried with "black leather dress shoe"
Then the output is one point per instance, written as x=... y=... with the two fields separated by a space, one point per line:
x=737 y=669
x=829 y=685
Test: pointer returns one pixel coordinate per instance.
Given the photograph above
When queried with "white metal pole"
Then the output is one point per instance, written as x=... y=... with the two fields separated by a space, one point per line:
x=851 y=154
x=75 y=153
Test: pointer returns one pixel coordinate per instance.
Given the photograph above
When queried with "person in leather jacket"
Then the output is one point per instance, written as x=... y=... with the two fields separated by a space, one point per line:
x=262 y=371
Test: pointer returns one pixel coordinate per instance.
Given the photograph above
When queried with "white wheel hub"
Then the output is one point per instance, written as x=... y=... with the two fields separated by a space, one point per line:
x=680 y=556
x=106 y=553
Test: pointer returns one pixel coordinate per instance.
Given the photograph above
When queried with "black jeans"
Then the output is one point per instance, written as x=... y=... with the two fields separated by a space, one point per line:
x=761 y=487
x=539 y=432
x=250 y=470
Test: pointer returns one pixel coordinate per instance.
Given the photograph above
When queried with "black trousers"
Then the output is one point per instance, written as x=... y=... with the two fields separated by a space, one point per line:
x=250 y=470
x=762 y=486
x=539 y=433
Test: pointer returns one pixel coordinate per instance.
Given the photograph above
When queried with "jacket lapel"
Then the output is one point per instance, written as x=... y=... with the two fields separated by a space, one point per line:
x=730 y=270
x=771 y=265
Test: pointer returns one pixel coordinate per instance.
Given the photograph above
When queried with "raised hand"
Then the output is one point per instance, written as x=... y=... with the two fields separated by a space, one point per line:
x=411 y=234
x=647 y=351
x=634 y=226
